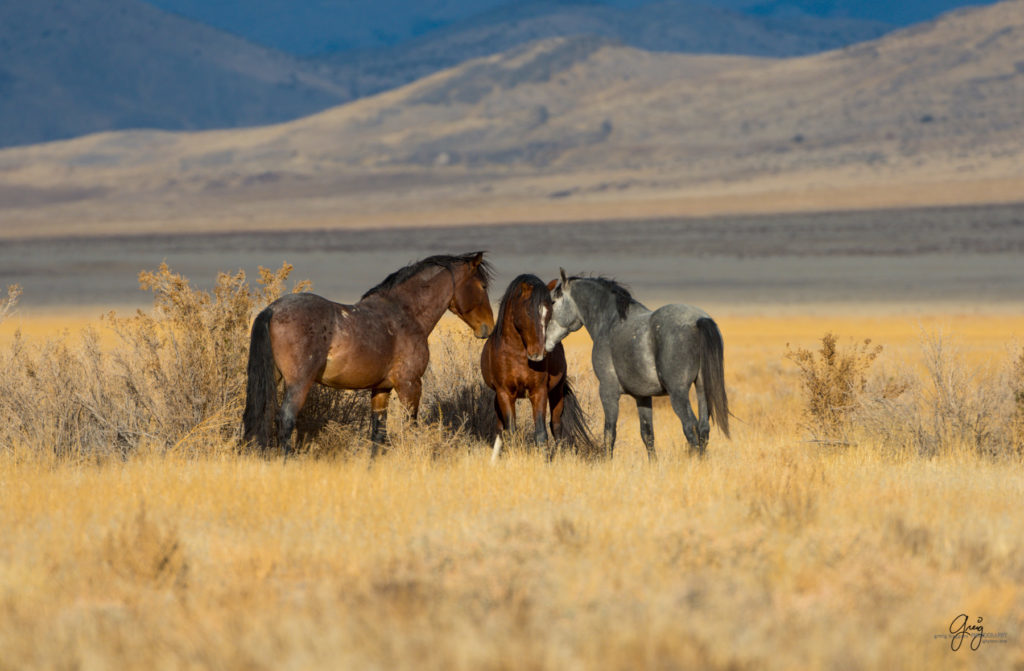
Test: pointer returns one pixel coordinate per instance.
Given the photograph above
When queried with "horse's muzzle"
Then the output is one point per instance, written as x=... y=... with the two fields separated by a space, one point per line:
x=483 y=331
x=535 y=357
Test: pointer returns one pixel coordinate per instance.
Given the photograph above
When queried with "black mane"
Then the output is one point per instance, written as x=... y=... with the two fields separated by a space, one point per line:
x=623 y=299
x=446 y=261
x=515 y=290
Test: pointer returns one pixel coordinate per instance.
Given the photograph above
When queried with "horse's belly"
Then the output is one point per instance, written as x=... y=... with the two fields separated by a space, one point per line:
x=640 y=385
x=353 y=369
x=633 y=358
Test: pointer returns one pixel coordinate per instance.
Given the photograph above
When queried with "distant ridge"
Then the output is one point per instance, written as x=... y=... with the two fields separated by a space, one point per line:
x=74 y=67
x=581 y=126
x=71 y=68
x=684 y=26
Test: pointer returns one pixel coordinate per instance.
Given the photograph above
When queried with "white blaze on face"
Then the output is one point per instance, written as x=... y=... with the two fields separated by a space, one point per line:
x=544 y=312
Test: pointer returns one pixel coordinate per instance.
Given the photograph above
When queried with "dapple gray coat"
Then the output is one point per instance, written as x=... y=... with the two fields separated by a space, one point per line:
x=645 y=353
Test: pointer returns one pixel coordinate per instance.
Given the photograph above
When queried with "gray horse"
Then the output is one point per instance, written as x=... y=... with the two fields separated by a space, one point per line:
x=644 y=354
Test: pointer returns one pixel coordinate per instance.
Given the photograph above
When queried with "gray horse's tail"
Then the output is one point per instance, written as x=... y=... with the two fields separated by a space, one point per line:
x=575 y=433
x=261 y=384
x=712 y=370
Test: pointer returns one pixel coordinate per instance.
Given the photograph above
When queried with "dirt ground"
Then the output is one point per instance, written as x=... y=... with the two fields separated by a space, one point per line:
x=968 y=257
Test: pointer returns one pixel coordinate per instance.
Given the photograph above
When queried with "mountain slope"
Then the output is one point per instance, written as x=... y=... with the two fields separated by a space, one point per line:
x=950 y=86
x=308 y=27
x=580 y=120
x=68 y=68
x=686 y=26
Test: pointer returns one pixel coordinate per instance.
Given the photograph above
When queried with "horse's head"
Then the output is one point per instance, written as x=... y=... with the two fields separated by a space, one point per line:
x=530 y=313
x=469 y=300
x=565 y=316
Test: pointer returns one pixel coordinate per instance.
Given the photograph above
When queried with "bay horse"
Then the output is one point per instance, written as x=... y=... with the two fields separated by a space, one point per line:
x=379 y=343
x=645 y=353
x=515 y=365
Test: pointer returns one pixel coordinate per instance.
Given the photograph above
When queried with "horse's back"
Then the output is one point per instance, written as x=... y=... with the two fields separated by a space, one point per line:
x=678 y=315
x=304 y=304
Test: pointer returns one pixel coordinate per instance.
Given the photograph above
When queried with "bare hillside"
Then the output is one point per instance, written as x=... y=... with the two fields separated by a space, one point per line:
x=578 y=123
x=683 y=26
x=68 y=68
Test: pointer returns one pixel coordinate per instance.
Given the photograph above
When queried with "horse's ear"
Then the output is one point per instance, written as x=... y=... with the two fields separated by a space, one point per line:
x=552 y=284
x=478 y=259
x=565 y=280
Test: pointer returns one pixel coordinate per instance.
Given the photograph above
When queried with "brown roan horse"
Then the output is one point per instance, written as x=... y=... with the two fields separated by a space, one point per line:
x=379 y=343
x=515 y=365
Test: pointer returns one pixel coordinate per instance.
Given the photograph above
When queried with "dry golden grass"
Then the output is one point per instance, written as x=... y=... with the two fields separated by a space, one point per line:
x=772 y=552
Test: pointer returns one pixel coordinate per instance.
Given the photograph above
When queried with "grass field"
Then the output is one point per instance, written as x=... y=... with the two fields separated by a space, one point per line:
x=772 y=552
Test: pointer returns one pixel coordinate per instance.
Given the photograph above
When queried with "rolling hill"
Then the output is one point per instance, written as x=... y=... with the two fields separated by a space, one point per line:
x=69 y=68
x=685 y=26
x=310 y=27
x=578 y=127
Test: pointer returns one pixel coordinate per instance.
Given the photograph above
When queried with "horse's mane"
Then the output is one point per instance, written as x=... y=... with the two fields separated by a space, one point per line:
x=484 y=271
x=623 y=299
x=515 y=290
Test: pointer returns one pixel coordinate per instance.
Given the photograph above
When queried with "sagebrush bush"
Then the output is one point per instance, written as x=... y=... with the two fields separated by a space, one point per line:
x=947 y=406
x=7 y=304
x=174 y=377
x=1017 y=392
x=467 y=406
x=831 y=380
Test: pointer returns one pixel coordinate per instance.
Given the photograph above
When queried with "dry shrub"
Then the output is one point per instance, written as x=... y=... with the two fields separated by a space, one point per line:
x=7 y=304
x=454 y=393
x=949 y=406
x=333 y=422
x=831 y=383
x=1017 y=391
x=175 y=377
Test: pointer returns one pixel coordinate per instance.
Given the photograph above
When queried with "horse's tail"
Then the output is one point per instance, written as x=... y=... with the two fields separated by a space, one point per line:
x=712 y=371
x=575 y=432
x=261 y=384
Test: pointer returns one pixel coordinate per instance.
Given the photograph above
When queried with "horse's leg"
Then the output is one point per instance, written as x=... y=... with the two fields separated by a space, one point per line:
x=609 y=394
x=556 y=402
x=645 y=412
x=378 y=419
x=409 y=393
x=539 y=400
x=294 y=398
x=704 y=421
x=505 y=411
x=681 y=405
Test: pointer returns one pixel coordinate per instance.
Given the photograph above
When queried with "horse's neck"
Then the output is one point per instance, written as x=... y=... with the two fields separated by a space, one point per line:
x=509 y=334
x=425 y=298
x=597 y=309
